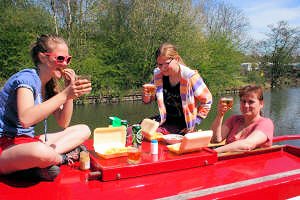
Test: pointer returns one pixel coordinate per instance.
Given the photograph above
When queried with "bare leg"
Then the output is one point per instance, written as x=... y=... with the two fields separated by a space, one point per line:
x=28 y=155
x=38 y=154
x=68 y=139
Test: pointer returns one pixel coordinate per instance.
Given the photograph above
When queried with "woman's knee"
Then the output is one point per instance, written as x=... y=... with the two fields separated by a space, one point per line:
x=83 y=131
x=44 y=155
x=86 y=130
x=26 y=156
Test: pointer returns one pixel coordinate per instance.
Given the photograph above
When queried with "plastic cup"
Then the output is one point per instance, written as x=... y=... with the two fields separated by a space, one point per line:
x=149 y=92
x=134 y=155
x=228 y=101
x=83 y=77
x=151 y=88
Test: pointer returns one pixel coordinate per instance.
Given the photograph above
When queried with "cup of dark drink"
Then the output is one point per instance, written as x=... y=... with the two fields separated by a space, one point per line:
x=149 y=91
x=134 y=155
x=228 y=100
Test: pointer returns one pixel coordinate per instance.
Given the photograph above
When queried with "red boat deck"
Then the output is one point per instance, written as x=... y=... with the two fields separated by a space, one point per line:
x=270 y=174
x=164 y=161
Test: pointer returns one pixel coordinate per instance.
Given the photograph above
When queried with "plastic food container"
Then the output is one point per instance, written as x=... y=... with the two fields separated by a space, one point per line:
x=110 y=142
x=172 y=138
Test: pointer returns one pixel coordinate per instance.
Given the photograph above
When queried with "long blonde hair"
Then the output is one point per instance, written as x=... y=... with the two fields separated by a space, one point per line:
x=45 y=43
x=170 y=51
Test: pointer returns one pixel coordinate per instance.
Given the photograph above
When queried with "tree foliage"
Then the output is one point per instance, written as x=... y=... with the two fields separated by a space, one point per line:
x=278 y=49
x=21 y=23
x=115 y=40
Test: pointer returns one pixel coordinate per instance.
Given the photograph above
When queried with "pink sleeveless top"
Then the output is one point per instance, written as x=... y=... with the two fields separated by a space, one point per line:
x=263 y=124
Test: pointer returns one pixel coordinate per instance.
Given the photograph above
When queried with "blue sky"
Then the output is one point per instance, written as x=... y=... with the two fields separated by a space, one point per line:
x=262 y=13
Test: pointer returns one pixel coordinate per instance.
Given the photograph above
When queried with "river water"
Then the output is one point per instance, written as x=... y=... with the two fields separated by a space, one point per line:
x=281 y=105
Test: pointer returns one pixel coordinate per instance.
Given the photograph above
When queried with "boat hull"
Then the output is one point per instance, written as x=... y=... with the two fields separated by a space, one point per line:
x=271 y=173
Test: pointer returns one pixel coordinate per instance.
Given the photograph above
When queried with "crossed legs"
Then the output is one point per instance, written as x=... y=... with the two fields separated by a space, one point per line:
x=38 y=154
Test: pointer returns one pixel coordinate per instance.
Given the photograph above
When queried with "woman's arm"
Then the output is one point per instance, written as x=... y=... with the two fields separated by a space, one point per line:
x=61 y=105
x=63 y=114
x=220 y=132
x=29 y=113
x=203 y=97
x=255 y=139
x=79 y=87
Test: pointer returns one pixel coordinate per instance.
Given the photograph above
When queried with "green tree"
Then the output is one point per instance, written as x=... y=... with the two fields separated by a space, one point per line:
x=222 y=66
x=115 y=40
x=278 y=49
x=132 y=30
x=21 y=23
x=224 y=27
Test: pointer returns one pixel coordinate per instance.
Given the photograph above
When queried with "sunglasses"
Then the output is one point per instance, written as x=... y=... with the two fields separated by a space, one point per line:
x=60 y=59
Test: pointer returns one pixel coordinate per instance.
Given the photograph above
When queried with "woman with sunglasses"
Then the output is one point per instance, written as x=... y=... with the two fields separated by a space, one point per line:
x=182 y=96
x=246 y=131
x=29 y=97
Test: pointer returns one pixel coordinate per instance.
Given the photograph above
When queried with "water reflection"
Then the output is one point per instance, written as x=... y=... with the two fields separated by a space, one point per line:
x=97 y=115
x=285 y=112
x=281 y=105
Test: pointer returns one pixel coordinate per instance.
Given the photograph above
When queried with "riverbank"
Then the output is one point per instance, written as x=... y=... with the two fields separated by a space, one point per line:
x=103 y=99
x=137 y=96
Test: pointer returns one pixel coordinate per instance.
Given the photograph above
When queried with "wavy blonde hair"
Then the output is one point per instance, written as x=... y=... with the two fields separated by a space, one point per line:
x=170 y=51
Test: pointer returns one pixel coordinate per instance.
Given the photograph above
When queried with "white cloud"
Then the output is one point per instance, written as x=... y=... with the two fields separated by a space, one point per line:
x=269 y=16
x=264 y=13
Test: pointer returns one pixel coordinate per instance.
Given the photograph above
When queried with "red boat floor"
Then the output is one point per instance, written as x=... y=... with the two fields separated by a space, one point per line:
x=273 y=174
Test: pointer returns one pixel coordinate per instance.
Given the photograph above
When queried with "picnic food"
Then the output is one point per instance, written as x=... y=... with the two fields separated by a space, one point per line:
x=154 y=136
x=109 y=142
x=174 y=147
x=172 y=138
x=149 y=127
x=115 y=150
x=192 y=142
x=63 y=73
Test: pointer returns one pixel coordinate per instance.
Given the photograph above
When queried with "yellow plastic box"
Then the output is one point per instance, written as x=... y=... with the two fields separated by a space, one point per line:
x=109 y=142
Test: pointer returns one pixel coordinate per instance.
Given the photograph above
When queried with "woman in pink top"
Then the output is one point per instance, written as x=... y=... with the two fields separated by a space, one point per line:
x=247 y=131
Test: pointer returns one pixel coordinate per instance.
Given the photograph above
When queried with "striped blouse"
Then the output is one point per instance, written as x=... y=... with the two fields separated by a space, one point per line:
x=195 y=96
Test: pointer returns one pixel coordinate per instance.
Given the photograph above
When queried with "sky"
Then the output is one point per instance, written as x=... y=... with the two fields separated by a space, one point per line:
x=262 y=13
